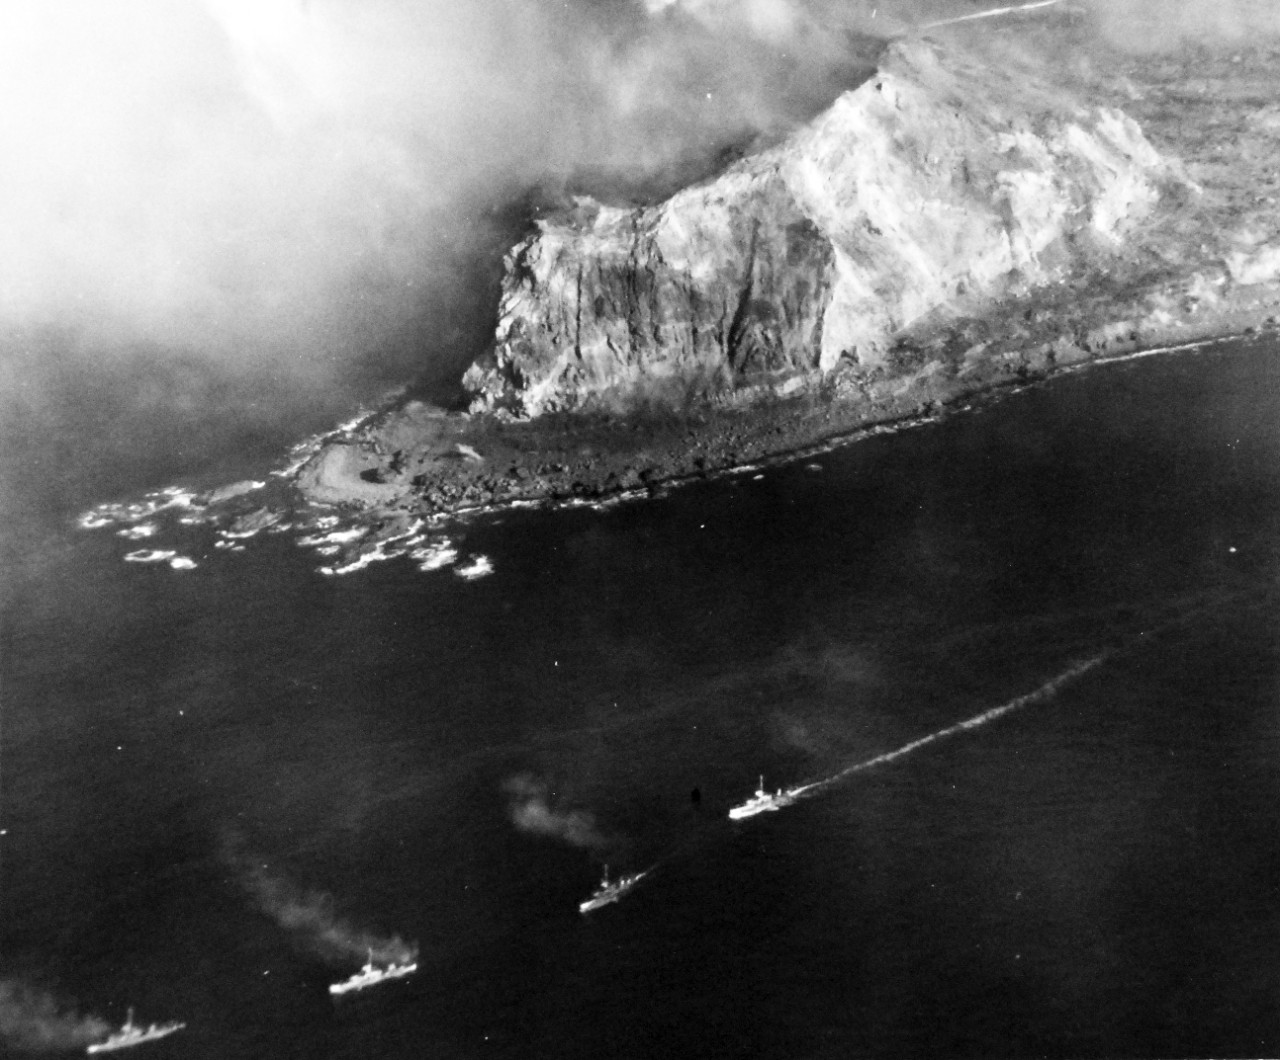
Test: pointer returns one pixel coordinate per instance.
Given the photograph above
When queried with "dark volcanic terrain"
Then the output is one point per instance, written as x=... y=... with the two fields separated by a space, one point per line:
x=1000 y=201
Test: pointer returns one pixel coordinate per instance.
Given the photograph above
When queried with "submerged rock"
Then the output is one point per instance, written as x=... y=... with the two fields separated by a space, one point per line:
x=229 y=492
x=937 y=184
x=252 y=522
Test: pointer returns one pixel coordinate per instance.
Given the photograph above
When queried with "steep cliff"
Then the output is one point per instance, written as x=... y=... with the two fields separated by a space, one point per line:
x=950 y=227
x=935 y=187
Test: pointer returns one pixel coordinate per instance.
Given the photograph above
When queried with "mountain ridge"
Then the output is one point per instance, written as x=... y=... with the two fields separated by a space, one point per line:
x=935 y=181
x=1186 y=251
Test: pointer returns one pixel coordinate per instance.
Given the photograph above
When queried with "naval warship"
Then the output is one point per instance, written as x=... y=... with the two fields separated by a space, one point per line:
x=130 y=1034
x=762 y=801
x=372 y=974
x=610 y=890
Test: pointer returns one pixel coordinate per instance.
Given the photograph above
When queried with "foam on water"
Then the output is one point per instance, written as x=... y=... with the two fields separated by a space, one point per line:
x=125 y=514
x=434 y=555
x=358 y=562
x=308 y=447
x=150 y=555
x=334 y=537
x=1046 y=691
x=390 y=545
x=477 y=568
x=602 y=504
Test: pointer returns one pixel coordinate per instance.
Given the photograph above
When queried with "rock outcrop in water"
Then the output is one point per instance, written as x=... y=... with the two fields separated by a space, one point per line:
x=933 y=188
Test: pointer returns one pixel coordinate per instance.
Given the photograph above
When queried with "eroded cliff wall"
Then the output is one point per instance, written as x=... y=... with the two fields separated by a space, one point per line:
x=938 y=184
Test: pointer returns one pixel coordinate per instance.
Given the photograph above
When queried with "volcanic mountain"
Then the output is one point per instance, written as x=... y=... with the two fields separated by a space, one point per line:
x=954 y=223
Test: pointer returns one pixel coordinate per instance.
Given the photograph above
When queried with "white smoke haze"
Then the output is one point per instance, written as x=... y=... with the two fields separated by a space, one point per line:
x=1158 y=25
x=32 y=1021
x=308 y=915
x=276 y=178
x=293 y=191
x=533 y=811
x=210 y=178
x=221 y=217
x=283 y=179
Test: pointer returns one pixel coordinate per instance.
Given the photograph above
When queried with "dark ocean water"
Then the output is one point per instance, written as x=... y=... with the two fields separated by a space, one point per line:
x=217 y=784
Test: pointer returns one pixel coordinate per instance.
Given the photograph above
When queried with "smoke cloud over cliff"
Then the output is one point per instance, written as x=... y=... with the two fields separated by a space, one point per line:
x=234 y=208
x=302 y=192
x=291 y=180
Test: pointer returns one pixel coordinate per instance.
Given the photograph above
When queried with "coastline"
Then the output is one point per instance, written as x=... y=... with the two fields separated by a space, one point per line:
x=352 y=534
x=480 y=463
x=1203 y=266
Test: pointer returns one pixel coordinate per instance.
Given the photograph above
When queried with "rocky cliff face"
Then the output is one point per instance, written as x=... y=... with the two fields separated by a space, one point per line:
x=936 y=186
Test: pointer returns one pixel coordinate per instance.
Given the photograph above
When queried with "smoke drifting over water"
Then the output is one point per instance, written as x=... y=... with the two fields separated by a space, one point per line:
x=309 y=915
x=532 y=811
x=30 y=1021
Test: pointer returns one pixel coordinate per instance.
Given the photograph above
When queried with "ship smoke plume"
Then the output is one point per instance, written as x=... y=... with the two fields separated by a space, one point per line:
x=533 y=811
x=30 y=1021
x=309 y=916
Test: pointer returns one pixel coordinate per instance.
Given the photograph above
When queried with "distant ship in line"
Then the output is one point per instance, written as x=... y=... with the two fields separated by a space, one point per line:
x=130 y=1034
x=762 y=801
x=607 y=891
x=372 y=974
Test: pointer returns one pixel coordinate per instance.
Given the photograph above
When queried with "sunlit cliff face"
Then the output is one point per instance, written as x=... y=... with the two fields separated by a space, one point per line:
x=290 y=182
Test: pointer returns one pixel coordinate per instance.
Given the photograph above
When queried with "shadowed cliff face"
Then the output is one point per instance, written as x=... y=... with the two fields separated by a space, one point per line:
x=935 y=185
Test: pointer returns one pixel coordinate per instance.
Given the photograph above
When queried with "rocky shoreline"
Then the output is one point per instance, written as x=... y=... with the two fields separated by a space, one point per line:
x=1197 y=263
x=333 y=497
x=1205 y=263
x=482 y=463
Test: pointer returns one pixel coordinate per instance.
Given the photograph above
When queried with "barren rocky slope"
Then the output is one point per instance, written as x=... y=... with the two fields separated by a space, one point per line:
x=953 y=225
x=938 y=183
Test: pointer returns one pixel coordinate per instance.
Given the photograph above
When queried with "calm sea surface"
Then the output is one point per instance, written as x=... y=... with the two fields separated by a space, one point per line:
x=219 y=786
